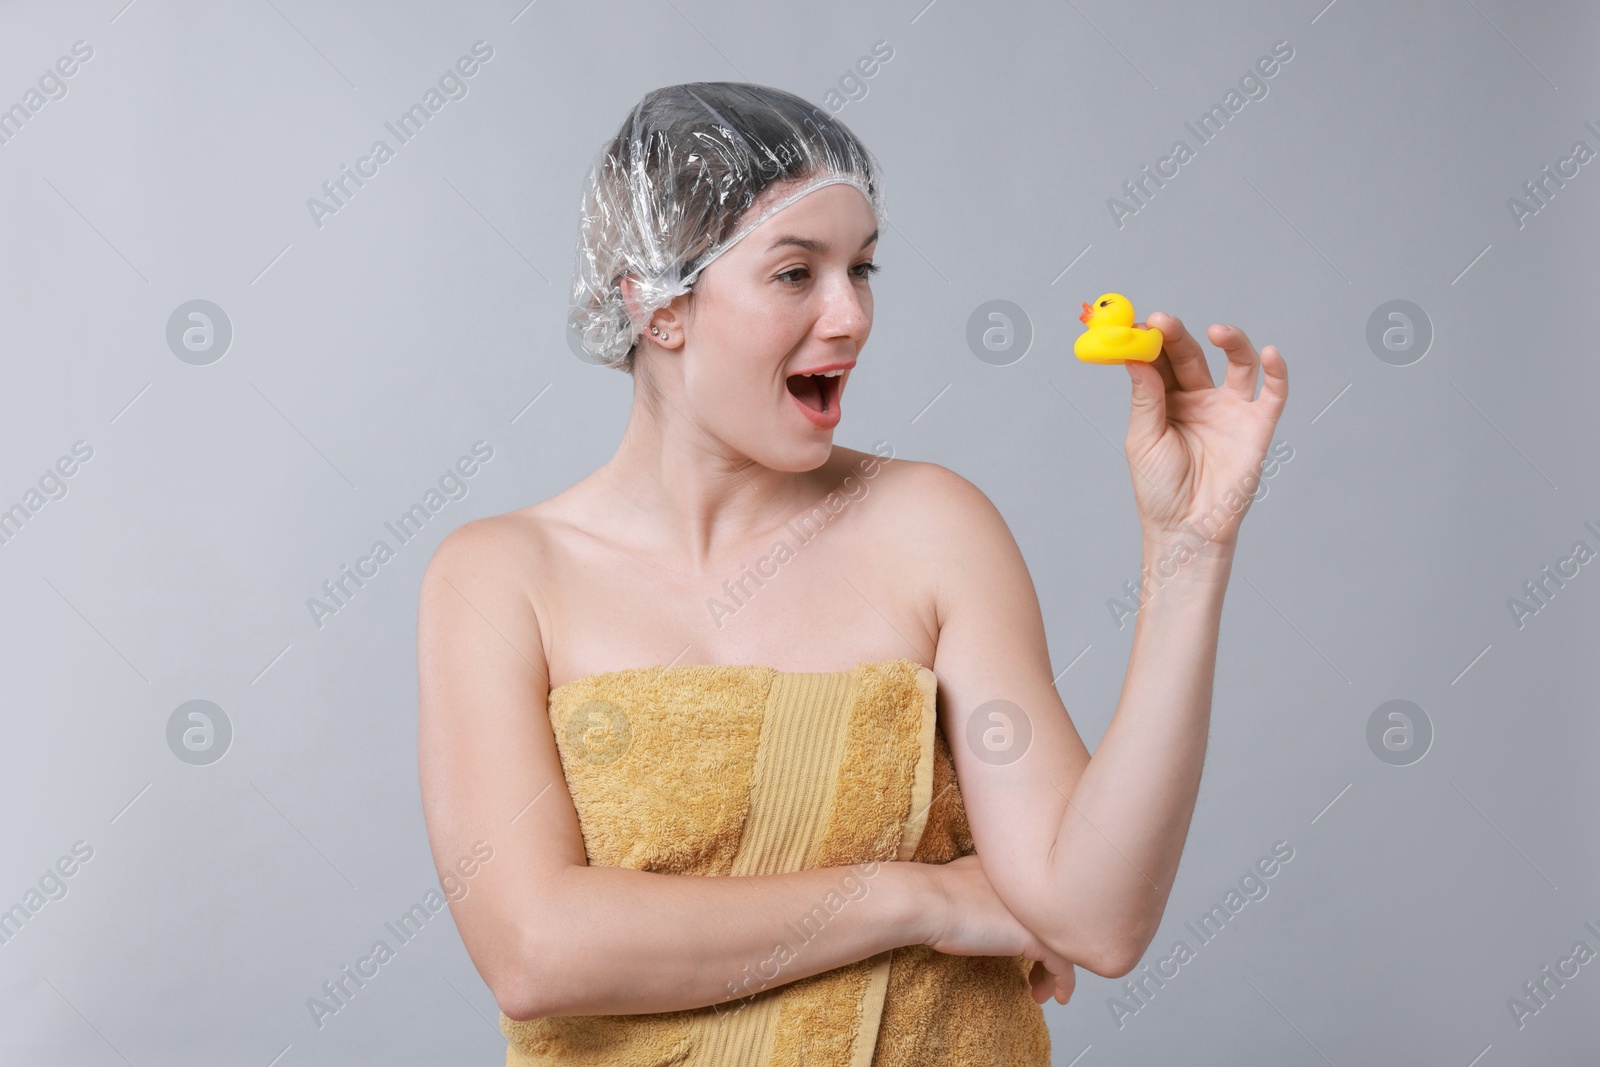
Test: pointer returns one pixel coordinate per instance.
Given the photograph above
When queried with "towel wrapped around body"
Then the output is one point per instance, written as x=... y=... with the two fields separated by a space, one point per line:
x=746 y=770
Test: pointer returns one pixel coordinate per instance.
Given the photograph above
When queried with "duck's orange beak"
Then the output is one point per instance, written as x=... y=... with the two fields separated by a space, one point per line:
x=1087 y=311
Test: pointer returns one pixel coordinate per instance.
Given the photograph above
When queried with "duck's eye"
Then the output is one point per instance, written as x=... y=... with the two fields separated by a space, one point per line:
x=1105 y=303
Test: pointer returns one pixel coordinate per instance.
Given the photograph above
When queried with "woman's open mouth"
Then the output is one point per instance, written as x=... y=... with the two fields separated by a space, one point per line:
x=817 y=395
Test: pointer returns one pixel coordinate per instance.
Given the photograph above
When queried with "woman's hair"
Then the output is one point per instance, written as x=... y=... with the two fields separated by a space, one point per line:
x=671 y=192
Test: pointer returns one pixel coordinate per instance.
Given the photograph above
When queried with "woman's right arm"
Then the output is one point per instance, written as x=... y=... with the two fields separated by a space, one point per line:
x=551 y=935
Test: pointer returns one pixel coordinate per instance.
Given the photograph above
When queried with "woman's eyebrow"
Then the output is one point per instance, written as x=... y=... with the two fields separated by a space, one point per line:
x=813 y=245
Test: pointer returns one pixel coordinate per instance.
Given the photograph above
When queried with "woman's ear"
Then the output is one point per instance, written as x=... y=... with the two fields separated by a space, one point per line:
x=668 y=320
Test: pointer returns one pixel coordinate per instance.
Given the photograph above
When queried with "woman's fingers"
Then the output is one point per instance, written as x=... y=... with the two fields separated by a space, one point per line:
x=1065 y=984
x=1066 y=977
x=1043 y=982
x=1242 y=360
x=1162 y=364
x=1048 y=982
x=1182 y=352
x=1275 y=384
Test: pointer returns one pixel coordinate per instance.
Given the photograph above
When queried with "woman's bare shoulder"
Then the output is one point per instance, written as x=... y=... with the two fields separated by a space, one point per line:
x=923 y=488
x=518 y=544
x=929 y=514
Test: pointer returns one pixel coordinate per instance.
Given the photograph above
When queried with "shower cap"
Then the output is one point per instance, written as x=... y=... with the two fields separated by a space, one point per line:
x=673 y=191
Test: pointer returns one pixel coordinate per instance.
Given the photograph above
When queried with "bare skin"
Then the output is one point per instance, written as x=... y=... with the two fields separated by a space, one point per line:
x=617 y=571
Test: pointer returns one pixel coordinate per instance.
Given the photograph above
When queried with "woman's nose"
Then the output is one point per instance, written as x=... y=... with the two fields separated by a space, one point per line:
x=846 y=311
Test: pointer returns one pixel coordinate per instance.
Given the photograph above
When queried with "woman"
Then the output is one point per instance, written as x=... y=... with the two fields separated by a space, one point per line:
x=719 y=655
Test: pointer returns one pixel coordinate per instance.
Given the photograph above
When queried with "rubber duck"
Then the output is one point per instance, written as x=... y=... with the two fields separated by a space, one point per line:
x=1112 y=337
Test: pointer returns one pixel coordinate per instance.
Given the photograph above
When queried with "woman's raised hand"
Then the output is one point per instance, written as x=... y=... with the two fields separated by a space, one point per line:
x=1195 y=448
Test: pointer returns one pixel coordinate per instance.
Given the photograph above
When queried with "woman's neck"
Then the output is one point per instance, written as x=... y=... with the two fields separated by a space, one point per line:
x=675 y=487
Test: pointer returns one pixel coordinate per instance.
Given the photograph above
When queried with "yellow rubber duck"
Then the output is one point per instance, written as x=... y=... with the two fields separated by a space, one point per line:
x=1112 y=336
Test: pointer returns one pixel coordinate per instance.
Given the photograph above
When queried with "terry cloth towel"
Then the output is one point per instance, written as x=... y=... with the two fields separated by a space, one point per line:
x=748 y=770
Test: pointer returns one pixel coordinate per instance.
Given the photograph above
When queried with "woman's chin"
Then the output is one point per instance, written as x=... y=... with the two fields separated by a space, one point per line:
x=797 y=456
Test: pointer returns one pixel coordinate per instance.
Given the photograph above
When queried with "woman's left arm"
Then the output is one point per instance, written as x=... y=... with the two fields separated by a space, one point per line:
x=1083 y=851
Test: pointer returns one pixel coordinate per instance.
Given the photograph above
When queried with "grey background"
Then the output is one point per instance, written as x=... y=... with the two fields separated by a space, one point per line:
x=370 y=353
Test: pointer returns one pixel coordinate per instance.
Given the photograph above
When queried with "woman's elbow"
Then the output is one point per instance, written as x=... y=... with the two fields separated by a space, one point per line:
x=519 y=996
x=522 y=989
x=517 y=1003
x=1123 y=953
x=1116 y=962
x=1108 y=957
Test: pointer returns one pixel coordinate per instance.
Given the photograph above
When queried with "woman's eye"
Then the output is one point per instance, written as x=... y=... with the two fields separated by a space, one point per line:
x=797 y=275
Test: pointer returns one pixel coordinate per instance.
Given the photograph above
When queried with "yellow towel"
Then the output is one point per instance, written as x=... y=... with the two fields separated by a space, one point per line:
x=742 y=770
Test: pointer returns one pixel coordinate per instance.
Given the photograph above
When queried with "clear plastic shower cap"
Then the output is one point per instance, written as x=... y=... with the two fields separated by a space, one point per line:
x=671 y=192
